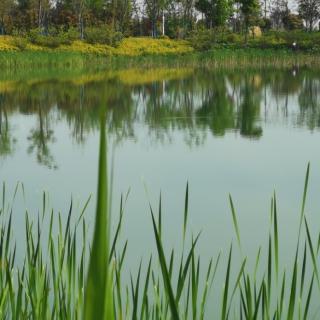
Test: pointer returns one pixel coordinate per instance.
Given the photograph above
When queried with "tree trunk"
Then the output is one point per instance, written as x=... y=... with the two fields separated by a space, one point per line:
x=39 y=15
x=246 y=31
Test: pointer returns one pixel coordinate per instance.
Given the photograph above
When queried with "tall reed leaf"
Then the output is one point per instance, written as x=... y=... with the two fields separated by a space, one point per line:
x=186 y=207
x=292 y=298
x=235 y=221
x=276 y=237
x=165 y=272
x=226 y=288
x=98 y=295
x=306 y=181
x=313 y=256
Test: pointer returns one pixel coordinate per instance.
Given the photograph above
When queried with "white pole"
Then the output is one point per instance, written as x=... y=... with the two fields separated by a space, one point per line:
x=162 y=22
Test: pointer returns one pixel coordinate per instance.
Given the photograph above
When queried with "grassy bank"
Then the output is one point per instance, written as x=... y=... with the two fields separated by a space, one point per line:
x=147 y=52
x=44 y=61
x=65 y=275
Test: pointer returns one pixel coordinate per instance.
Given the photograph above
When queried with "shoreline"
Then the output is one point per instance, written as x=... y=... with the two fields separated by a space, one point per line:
x=217 y=58
x=147 y=52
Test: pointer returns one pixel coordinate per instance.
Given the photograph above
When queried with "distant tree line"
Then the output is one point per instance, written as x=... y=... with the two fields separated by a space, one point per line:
x=173 y=18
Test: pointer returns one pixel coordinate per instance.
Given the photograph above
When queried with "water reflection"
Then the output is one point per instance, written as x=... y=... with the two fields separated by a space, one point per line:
x=165 y=101
x=6 y=140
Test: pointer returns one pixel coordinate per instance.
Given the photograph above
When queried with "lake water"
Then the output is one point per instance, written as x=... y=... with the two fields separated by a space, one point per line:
x=247 y=133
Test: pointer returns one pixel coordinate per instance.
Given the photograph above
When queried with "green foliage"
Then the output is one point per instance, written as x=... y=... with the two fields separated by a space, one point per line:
x=309 y=10
x=164 y=37
x=20 y=43
x=250 y=10
x=293 y=22
x=53 y=39
x=216 y=12
x=204 y=39
x=201 y=39
x=265 y=24
x=103 y=35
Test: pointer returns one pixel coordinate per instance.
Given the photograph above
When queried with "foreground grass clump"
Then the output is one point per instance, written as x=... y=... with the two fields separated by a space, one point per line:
x=58 y=273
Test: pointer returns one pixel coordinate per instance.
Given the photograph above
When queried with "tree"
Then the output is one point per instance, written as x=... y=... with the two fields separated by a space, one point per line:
x=152 y=12
x=22 y=21
x=64 y=14
x=216 y=12
x=80 y=8
x=187 y=15
x=250 y=10
x=292 y=21
x=84 y=10
x=119 y=14
x=309 y=10
x=5 y=9
x=279 y=11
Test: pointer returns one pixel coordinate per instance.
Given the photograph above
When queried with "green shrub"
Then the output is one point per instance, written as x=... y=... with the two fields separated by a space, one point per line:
x=293 y=22
x=164 y=37
x=66 y=37
x=20 y=43
x=36 y=37
x=103 y=35
x=205 y=39
x=201 y=39
x=54 y=38
x=233 y=38
x=265 y=24
x=72 y=34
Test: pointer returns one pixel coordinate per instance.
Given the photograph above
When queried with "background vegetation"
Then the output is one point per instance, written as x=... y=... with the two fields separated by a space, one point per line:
x=206 y=23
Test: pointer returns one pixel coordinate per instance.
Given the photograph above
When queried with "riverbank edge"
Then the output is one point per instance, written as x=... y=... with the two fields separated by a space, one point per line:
x=158 y=53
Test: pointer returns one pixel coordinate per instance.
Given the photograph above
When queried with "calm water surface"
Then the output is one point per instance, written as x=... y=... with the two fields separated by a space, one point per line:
x=246 y=133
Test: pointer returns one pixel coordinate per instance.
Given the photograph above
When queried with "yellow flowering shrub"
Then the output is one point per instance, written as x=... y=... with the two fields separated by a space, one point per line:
x=127 y=47
x=149 y=46
x=6 y=44
x=83 y=47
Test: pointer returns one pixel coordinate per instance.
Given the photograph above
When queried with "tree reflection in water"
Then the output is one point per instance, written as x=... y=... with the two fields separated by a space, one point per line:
x=193 y=102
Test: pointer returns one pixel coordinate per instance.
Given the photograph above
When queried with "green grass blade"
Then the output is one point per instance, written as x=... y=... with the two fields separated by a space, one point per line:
x=306 y=310
x=165 y=272
x=234 y=219
x=98 y=296
x=313 y=256
x=237 y=283
x=186 y=210
x=303 y=272
x=276 y=238
x=292 y=299
x=226 y=288
x=305 y=189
